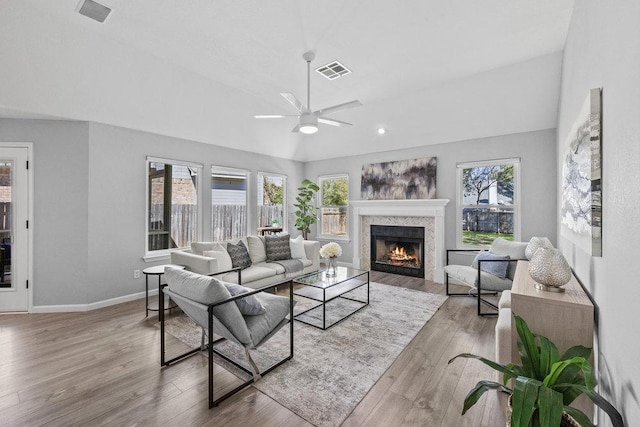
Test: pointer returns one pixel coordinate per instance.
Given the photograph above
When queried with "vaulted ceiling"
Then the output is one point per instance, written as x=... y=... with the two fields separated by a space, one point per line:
x=429 y=71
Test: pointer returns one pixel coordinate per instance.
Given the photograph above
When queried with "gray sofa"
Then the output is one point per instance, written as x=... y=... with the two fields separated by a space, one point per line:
x=212 y=257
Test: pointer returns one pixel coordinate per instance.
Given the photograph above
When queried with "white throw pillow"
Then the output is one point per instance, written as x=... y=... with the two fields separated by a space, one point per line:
x=297 y=248
x=224 y=260
x=257 y=250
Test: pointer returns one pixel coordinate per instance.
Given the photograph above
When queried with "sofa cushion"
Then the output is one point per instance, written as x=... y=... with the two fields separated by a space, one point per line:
x=297 y=248
x=278 y=247
x=250 y=305
x=469 y=276
x=239 y=255
x=515 y=250
x=250 y=274
x=199 y=247
x=196 y=263
x=494 y=266
x=257 y=250
x=224 y=260
x=279 y=269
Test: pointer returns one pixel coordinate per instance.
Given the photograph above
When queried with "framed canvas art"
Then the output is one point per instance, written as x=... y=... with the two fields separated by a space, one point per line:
x=403 y=179
x=581 y=205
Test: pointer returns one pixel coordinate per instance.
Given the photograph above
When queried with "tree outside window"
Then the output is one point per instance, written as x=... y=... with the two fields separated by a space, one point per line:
x=487 y=204
x=272 y=192
x=334 y=199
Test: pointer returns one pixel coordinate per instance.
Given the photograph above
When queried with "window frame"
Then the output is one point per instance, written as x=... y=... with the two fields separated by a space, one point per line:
x=319 y=205
x=285 y=213
x=235 y=171
x=164 y=253
x=516 y=205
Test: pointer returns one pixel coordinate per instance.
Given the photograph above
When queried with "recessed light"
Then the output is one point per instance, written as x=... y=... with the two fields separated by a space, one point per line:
x=382 y=131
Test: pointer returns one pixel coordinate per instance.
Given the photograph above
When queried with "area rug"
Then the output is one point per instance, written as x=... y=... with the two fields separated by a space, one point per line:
x=332 y=370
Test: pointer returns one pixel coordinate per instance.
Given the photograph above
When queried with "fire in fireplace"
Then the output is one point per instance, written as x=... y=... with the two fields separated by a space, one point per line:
x=397 y=249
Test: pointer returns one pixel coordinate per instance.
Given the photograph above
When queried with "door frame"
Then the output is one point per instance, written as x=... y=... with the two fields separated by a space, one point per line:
x=30 y=230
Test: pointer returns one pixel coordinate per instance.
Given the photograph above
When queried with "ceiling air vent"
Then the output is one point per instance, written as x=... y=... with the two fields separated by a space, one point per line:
x=333 y=70
x=93 y=10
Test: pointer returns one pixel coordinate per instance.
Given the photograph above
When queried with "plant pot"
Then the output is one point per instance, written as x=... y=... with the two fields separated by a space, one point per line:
x=566 y=421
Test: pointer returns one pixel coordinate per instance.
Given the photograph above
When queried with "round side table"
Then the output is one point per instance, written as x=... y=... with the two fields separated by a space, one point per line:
x=157 y=270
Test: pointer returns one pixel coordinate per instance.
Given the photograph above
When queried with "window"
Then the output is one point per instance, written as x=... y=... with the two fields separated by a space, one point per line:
x=488 y=202
x=334 y=198
x=172 y=204
x=272 y=191
x=228 y=203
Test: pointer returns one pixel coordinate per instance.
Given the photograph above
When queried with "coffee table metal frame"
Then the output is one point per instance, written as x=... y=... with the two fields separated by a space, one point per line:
x=323 y=289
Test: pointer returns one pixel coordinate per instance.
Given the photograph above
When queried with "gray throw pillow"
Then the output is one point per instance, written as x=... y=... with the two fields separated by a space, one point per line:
x=498 y=269
x=278 y=247
x=249 y=306
x=239 y=255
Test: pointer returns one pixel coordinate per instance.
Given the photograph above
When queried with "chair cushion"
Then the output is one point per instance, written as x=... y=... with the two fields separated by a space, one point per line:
x=239 y=255
x=493 y=266
x=278 y=247
x=469 y=276
x=257 y=250
x=248 y=306
x=515 y=250
x=198 y=291
x=262 y=326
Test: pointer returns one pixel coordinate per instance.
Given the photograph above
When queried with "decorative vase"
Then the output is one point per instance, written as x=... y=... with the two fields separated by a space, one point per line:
x=536 y=243
x=549 y=269
x=331 y=266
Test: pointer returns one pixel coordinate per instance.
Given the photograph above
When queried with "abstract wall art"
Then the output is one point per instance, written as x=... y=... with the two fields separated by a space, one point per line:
x=403 y=179
x=581 y=205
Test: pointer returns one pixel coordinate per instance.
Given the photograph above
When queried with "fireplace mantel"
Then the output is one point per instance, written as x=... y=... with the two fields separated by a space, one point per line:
x=401 y=208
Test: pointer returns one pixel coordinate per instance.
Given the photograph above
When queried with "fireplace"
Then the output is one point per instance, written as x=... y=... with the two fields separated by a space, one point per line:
x=397 y=249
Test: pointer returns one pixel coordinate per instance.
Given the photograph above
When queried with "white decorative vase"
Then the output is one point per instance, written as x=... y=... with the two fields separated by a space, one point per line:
x=536 y=243
x=549 y=269
x=331 y=266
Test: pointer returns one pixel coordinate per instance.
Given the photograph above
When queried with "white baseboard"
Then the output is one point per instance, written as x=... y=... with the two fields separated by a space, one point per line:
x=91 y=306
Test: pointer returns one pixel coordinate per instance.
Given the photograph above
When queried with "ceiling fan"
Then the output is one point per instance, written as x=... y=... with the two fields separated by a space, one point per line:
x=308 y=119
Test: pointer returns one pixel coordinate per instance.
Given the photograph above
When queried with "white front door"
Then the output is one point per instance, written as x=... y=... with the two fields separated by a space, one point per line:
x=14 y=228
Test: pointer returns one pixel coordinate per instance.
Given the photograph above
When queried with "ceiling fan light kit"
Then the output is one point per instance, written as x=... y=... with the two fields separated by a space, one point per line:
x=308 y=119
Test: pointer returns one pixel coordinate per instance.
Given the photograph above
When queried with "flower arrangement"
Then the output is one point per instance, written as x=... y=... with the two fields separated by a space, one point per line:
x=330 y=250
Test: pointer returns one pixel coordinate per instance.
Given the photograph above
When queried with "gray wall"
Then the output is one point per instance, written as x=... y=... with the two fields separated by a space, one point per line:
x=536 y=150
x=603 y=50
x=89 y=202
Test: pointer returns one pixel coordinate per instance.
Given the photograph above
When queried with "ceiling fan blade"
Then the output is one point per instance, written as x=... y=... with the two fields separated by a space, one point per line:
x=296 y=129
x=339 y=107
x=273 y=116
x=333 y=122
x=293 y=101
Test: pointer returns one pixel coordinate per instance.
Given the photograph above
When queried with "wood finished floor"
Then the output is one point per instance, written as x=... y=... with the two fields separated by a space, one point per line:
x=102 y=368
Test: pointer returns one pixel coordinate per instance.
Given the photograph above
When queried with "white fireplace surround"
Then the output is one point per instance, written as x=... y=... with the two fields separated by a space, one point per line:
x=428 y=208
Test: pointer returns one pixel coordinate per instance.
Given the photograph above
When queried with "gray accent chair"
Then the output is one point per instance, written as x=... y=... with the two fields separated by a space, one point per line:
x=482 y=282
x=209 y=304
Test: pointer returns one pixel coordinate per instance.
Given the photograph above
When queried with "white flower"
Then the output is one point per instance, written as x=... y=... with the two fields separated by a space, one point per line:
x=330 y=250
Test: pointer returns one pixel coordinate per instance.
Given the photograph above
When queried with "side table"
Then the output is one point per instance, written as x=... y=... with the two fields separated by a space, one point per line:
x=156 y=270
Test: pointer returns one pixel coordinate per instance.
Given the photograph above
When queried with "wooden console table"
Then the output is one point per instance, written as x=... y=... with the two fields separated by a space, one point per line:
x=566 y=318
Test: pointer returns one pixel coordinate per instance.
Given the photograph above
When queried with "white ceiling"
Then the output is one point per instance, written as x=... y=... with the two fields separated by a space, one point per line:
x=430 y=71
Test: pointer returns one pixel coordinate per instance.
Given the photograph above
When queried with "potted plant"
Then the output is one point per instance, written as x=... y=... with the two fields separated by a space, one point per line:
x=545 y=384
x=305 y=210
x=275 y=222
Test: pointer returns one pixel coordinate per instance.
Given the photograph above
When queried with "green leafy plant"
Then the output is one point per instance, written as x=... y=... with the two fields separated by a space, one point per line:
x=305 y=210
x=545 y=384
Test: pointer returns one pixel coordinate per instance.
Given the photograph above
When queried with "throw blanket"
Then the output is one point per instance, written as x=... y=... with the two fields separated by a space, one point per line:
x=292 y=267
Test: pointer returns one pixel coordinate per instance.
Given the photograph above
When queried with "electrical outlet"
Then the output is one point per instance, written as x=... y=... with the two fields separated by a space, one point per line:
x=136 y=274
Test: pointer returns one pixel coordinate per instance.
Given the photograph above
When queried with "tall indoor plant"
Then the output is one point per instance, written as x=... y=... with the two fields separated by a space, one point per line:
x=305 y=210
x=545 y=384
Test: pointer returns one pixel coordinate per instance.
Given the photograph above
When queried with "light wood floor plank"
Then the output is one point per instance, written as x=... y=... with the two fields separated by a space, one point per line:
x=103 y=368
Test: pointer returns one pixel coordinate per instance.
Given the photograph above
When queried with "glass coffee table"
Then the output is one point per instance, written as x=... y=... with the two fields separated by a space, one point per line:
x=333 y=297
